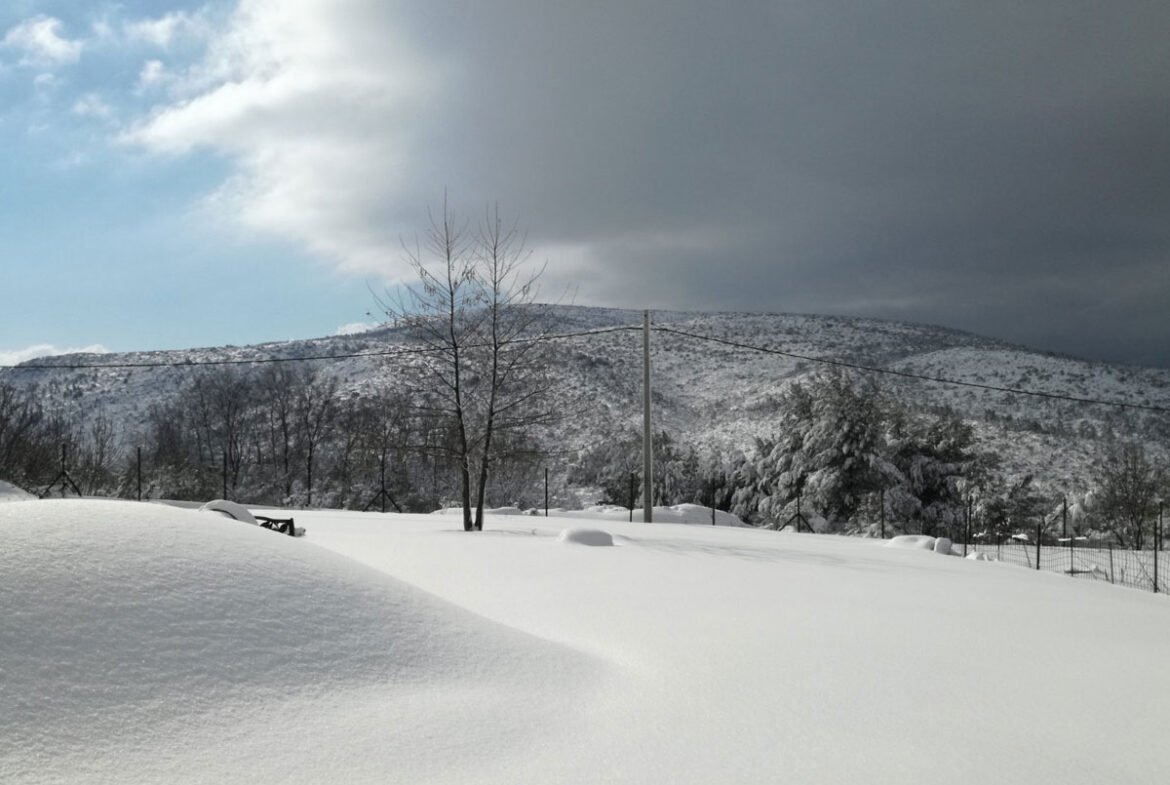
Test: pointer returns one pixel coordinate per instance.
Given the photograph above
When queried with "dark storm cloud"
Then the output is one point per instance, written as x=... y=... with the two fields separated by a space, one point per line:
x=1000 y=167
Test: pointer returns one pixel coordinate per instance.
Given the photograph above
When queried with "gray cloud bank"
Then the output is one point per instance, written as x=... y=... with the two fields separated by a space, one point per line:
x=1001 y=167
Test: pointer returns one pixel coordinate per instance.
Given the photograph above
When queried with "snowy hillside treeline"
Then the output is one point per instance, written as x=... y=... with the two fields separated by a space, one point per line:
x=732 y=422
x=845 y=455
x=284 y=435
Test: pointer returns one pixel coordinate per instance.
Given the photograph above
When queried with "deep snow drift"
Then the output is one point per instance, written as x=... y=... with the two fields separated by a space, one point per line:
x=142 y=644
x=10 y=493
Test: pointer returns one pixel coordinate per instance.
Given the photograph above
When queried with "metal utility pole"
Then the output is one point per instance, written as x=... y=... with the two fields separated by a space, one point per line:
x=647 y=438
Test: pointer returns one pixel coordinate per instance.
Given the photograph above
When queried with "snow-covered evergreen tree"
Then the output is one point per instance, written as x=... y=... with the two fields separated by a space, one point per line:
x=831 y=452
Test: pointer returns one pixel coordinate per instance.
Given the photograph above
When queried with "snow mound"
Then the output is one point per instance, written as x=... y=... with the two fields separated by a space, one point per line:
x=923 y=542
x=980 y=556
x=582 y=536
x=233 y=510
x=11 y=493
x=679 y=513
x=133 y=629
x=943 y=545
x=912 y=541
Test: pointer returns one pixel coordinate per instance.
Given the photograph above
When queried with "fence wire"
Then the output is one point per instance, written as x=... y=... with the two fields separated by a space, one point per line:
x=1119 y=566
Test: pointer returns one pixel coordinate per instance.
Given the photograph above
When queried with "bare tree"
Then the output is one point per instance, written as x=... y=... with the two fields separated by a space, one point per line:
x=279 y=386
x=440 y=312
x=315 y=403
x=511 y=345
x=221 y=401
x=1129 y=488
x=20 y=418
x=473 y=311
x=97 y=454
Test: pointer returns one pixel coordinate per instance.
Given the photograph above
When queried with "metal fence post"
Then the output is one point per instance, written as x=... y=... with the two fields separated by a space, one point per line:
x=1157 y=536
x=882 y=505
x=139 y=450
x=1039 y=528
x=1111 y=562
x=631 y=497
x=225 y=474
x=546 y=492
x=966 y=526
x=382 y=480
x=712 y=502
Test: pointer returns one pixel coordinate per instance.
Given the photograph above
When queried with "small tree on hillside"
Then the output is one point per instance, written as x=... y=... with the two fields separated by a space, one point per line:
x=1129 y=487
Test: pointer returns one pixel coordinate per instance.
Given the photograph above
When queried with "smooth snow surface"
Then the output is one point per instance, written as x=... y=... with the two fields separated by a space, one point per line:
x=142 y=644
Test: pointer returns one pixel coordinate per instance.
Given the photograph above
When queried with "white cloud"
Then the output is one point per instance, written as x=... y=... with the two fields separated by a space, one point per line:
x=41 y=43
x=46 y=81
x=103 y=30
x=356 y=328
x=311 y=101
x=92 y=105
x=17 y=356
x=165 y=30
x=152 y=75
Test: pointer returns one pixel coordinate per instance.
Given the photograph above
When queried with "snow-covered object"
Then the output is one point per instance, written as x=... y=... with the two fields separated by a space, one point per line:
x=923 y=542
x=980 y=556
x=818 y=523
x=678 y=513
x=913 y=541
x=583 y=536
x=230 y=509
x=11 y=493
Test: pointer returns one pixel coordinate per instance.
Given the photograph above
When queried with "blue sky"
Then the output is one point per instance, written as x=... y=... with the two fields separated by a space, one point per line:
x=195 y=173
x=105 y=243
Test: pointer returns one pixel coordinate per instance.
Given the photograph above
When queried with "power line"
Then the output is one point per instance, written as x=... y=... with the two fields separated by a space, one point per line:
x=909 y=375
x=308 y=358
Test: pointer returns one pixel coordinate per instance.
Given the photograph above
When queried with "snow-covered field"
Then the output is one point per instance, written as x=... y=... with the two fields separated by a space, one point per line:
x=146 y=644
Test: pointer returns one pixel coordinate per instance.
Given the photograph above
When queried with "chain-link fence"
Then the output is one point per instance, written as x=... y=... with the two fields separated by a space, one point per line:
x=1145 y=570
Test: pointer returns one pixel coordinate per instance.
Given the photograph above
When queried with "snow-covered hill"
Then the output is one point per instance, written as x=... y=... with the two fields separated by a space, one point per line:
x=712 y=394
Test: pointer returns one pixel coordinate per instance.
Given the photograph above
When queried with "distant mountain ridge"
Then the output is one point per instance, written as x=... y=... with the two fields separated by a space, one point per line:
x=710 y=393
